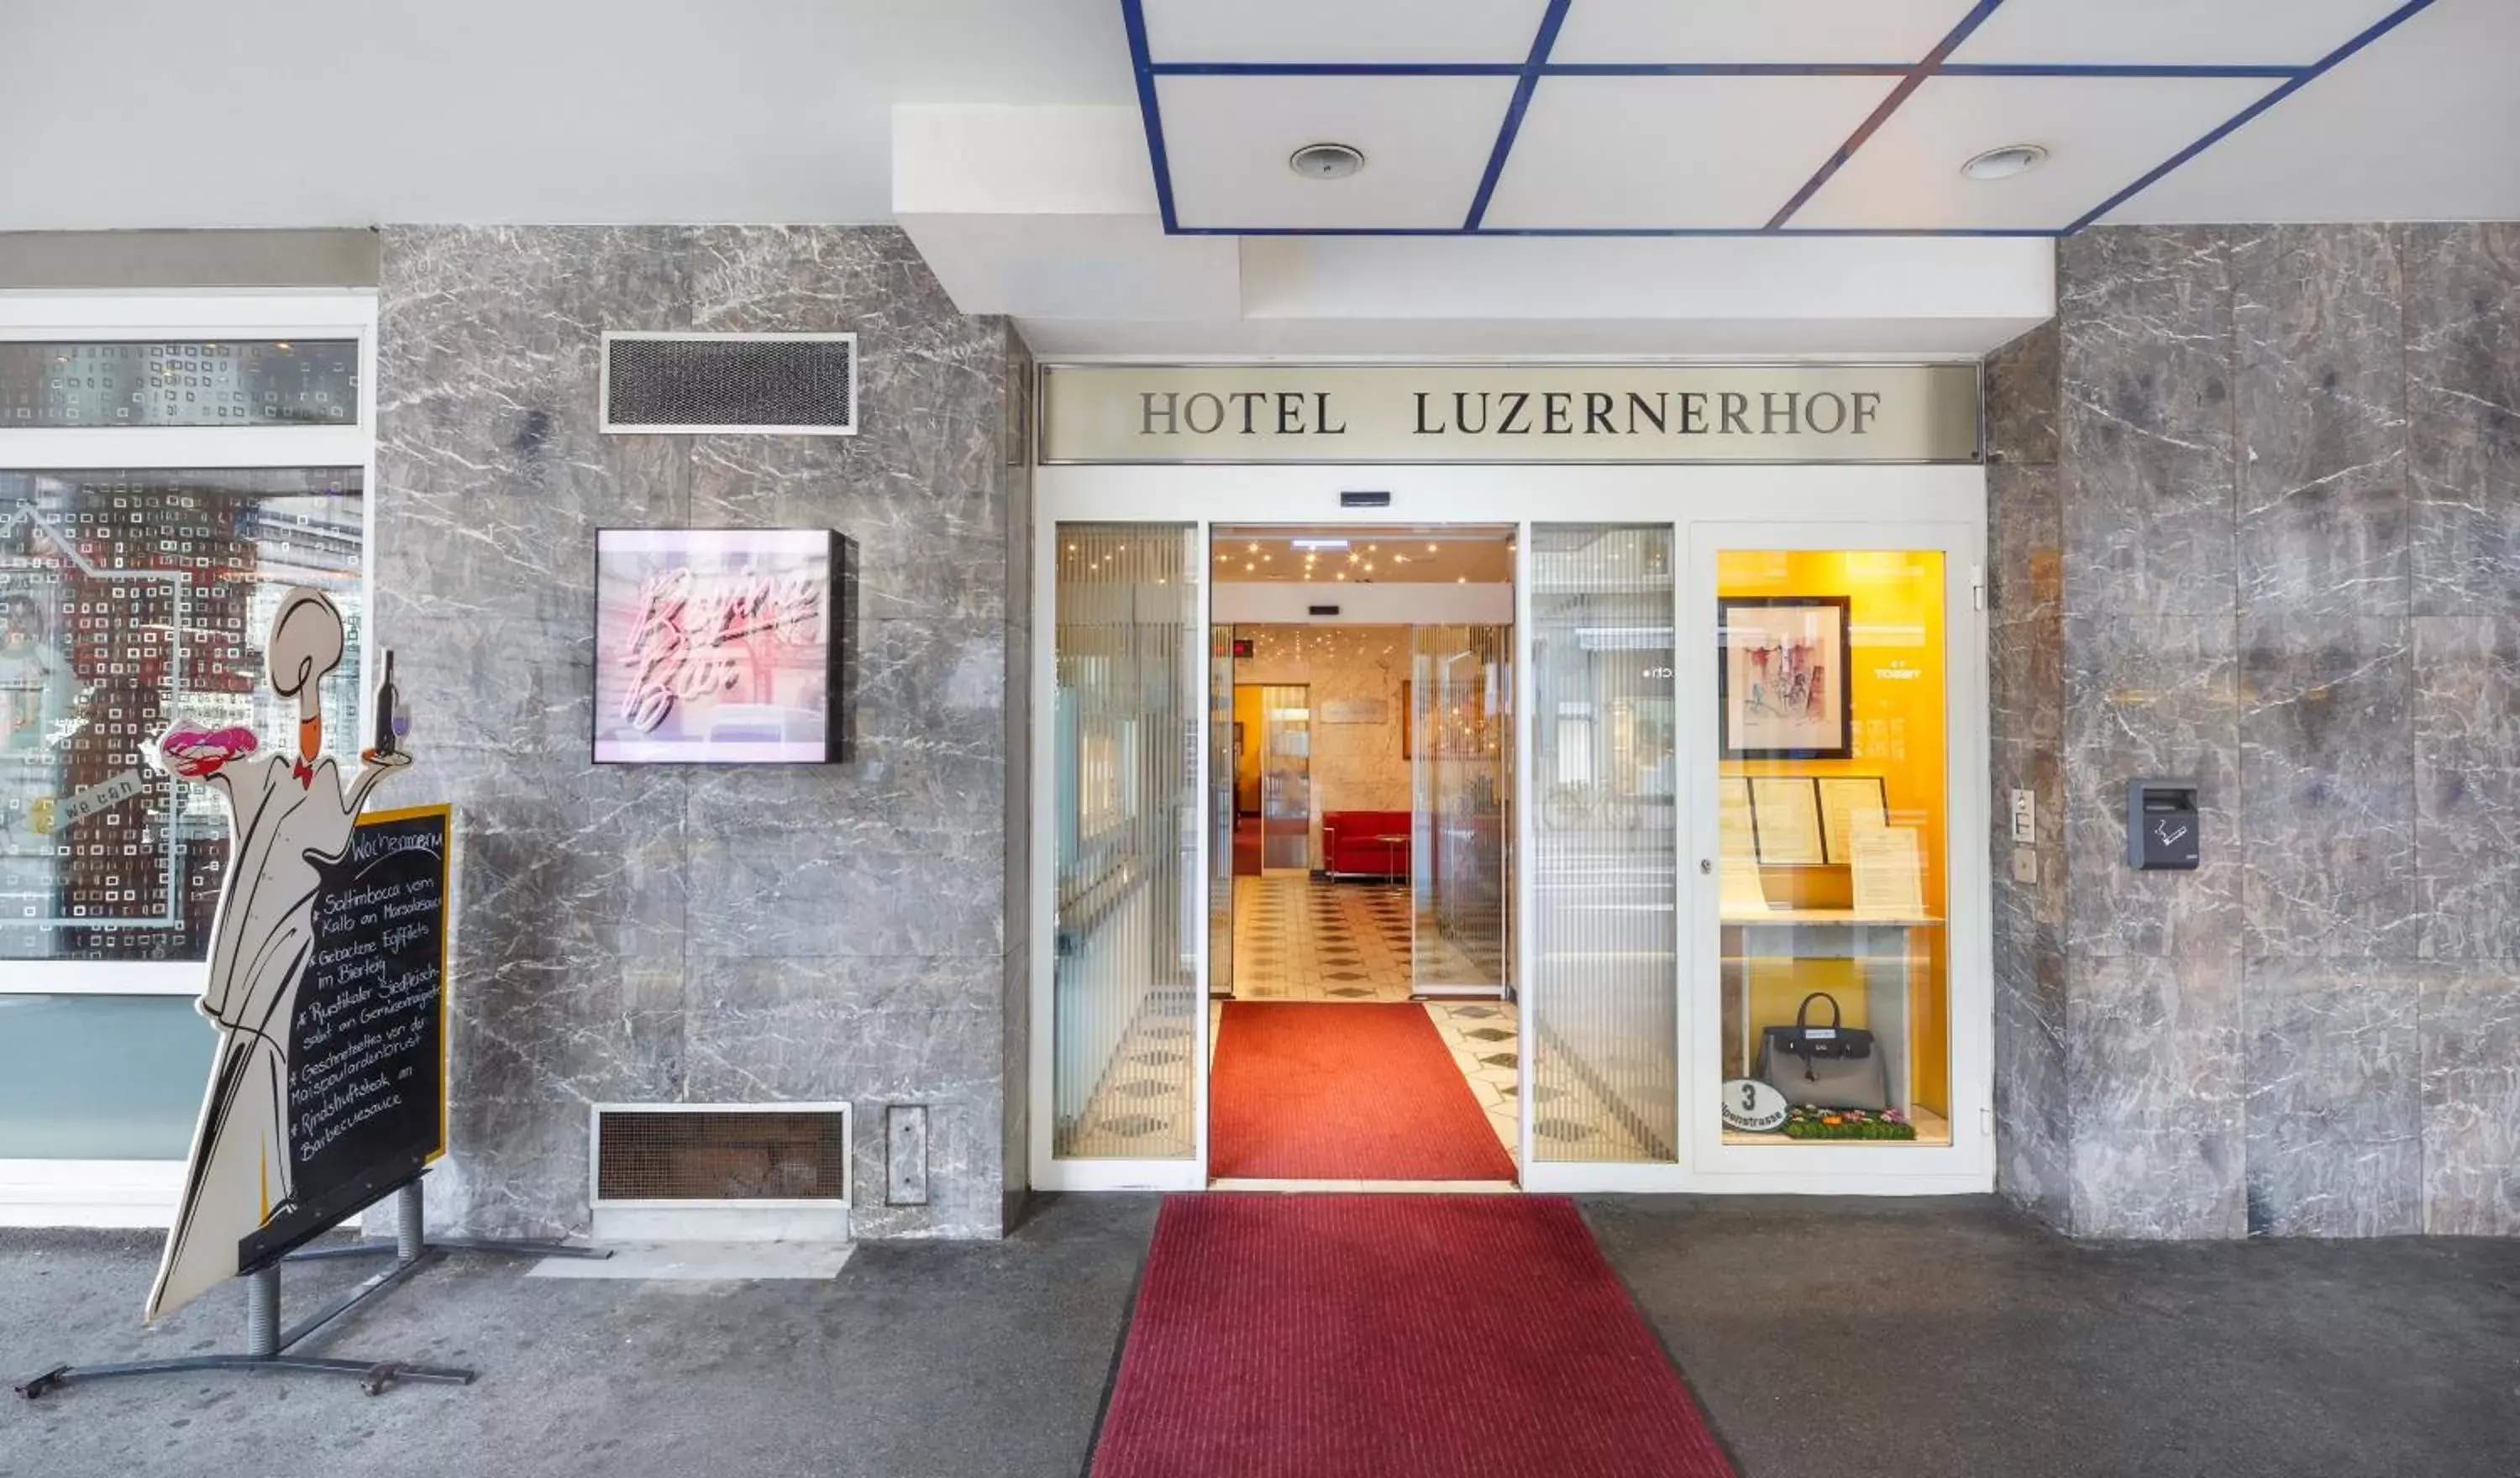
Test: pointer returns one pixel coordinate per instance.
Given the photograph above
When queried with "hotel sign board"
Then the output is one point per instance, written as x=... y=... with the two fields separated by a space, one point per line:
x=1121 y=413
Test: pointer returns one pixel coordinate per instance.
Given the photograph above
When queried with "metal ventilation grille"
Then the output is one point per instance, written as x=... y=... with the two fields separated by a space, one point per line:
x=782 y=383
x=699 y=1154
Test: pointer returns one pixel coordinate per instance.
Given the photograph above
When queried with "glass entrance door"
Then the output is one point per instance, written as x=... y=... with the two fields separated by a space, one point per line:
x=1127 y=997
x=1285 y=778
x=1602 y=1005
x=1221 y=757
x=1822 y=747
x=1458 y=742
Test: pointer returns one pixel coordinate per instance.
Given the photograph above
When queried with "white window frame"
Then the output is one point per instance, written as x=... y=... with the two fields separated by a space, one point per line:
x=142 y=1192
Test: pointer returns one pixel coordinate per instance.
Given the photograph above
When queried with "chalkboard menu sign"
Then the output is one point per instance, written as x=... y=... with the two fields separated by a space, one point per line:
x=367 y=1041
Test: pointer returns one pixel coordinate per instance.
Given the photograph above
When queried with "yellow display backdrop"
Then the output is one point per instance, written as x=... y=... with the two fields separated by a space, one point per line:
x=1898 y=703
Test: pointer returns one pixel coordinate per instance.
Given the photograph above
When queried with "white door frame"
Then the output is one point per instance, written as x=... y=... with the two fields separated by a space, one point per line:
x=1818 y=504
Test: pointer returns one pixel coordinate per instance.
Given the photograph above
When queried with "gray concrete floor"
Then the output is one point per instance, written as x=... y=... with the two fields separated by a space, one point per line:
x=1836 y=1338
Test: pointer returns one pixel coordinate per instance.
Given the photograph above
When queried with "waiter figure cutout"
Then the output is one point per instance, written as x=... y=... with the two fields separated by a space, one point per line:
x=286 y=815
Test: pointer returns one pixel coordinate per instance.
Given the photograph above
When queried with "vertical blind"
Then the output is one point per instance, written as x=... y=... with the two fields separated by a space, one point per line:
x=1601 y=1009
x=1126 y=980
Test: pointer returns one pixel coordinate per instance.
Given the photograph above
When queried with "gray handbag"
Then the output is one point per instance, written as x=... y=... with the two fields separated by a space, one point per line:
x=1829 y=1066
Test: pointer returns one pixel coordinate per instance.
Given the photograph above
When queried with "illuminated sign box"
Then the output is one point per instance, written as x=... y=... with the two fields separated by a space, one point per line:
x=724 y=647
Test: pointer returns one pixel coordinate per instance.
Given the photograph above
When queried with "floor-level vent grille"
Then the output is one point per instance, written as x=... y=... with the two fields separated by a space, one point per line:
x=785 y=384
x=747 y=1154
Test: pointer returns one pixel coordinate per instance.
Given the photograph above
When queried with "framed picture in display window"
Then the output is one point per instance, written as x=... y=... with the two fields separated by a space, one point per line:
x=1847 y=804
x=1781 y=677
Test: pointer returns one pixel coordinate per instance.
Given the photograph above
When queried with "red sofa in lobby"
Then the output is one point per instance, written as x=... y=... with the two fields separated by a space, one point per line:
x=1365 y=843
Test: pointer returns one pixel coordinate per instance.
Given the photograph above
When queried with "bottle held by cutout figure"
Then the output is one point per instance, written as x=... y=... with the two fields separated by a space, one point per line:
x=386 y=700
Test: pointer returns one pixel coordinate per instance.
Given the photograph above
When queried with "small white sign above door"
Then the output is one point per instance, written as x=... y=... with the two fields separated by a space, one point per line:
x=1354 y=711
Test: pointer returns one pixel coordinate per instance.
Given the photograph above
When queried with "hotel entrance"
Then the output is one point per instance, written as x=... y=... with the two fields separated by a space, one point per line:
x=1691 y=806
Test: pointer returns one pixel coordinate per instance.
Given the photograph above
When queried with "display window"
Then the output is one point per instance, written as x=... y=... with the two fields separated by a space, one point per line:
x=1831 y=792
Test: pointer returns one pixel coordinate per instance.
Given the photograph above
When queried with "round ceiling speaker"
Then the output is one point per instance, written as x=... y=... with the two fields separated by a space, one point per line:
x=1326 y=162
x=2005 y=163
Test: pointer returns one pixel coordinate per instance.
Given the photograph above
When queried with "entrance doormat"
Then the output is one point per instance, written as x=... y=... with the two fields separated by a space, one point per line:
x=1380 y=1336
x=1340 y=1090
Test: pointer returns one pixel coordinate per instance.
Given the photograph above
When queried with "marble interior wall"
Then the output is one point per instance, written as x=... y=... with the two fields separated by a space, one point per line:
x=2284 y=511
x=655 y=933
x=2025 y=612
x=1356 y=767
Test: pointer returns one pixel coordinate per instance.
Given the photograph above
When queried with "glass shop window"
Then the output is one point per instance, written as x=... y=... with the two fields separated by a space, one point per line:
x=127 y=599
x=1834 y=819
x=156 y=499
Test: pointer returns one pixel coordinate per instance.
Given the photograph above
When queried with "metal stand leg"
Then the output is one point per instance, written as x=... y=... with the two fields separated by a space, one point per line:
x=407 y=1222
x=262 y=1314
x=267 y=1346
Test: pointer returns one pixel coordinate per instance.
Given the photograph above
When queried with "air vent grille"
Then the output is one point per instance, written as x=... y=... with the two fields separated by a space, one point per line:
x=794 y=384
x=713 y=1153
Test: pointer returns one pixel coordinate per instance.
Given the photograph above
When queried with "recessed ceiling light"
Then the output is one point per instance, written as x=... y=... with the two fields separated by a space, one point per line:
x=1318 y=543
x=2005 y=163
x=1326 y=162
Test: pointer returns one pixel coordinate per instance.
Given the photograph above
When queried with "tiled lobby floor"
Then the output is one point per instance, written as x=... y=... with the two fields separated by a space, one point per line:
x=1296 y=939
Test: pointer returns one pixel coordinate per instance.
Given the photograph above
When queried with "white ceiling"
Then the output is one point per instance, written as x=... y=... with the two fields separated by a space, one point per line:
x=340 y=112
x=353 y=113
x=1852 y=116
x=1667 y=176
x=1904 y=176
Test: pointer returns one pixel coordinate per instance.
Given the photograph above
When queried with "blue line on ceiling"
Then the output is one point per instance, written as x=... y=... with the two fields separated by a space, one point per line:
x=1618 y=231
x=2113 y=69
x=1715 y=70
x=1549 y=21
x=1135 y=20
x=2382 y=27
x=1906 y=89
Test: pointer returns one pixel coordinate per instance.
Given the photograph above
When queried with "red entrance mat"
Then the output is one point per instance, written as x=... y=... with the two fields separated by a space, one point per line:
x=1391 y=1337
x=1310 y=1089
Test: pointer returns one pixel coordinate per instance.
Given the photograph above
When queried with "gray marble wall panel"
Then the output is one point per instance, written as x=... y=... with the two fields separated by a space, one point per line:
x=2466 y=764
x=2468 y=1022
x=2328 y=798
x=2157 y=1086
x=2146 y=440
x=2289 y=464
x=2335 y=1103
x=2026 y=706
x=2323 y=420
x=2462 y=366
x=2021 y=399
x=693 y=934
x=2150 y=697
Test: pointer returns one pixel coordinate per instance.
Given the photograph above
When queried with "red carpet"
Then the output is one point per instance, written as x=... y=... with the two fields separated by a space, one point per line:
x=1246 y=848
x=1392 y=1336
x=1328 y=1091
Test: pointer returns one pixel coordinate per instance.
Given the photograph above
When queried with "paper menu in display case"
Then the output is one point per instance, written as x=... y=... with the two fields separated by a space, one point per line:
x=1786 y=811
x=1742 y=892
x=1846 y=803
x=1889 y=870
x=1738 y=838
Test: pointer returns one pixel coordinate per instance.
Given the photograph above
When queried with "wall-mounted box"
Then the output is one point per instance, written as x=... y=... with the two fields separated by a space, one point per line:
x=2161 y=824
